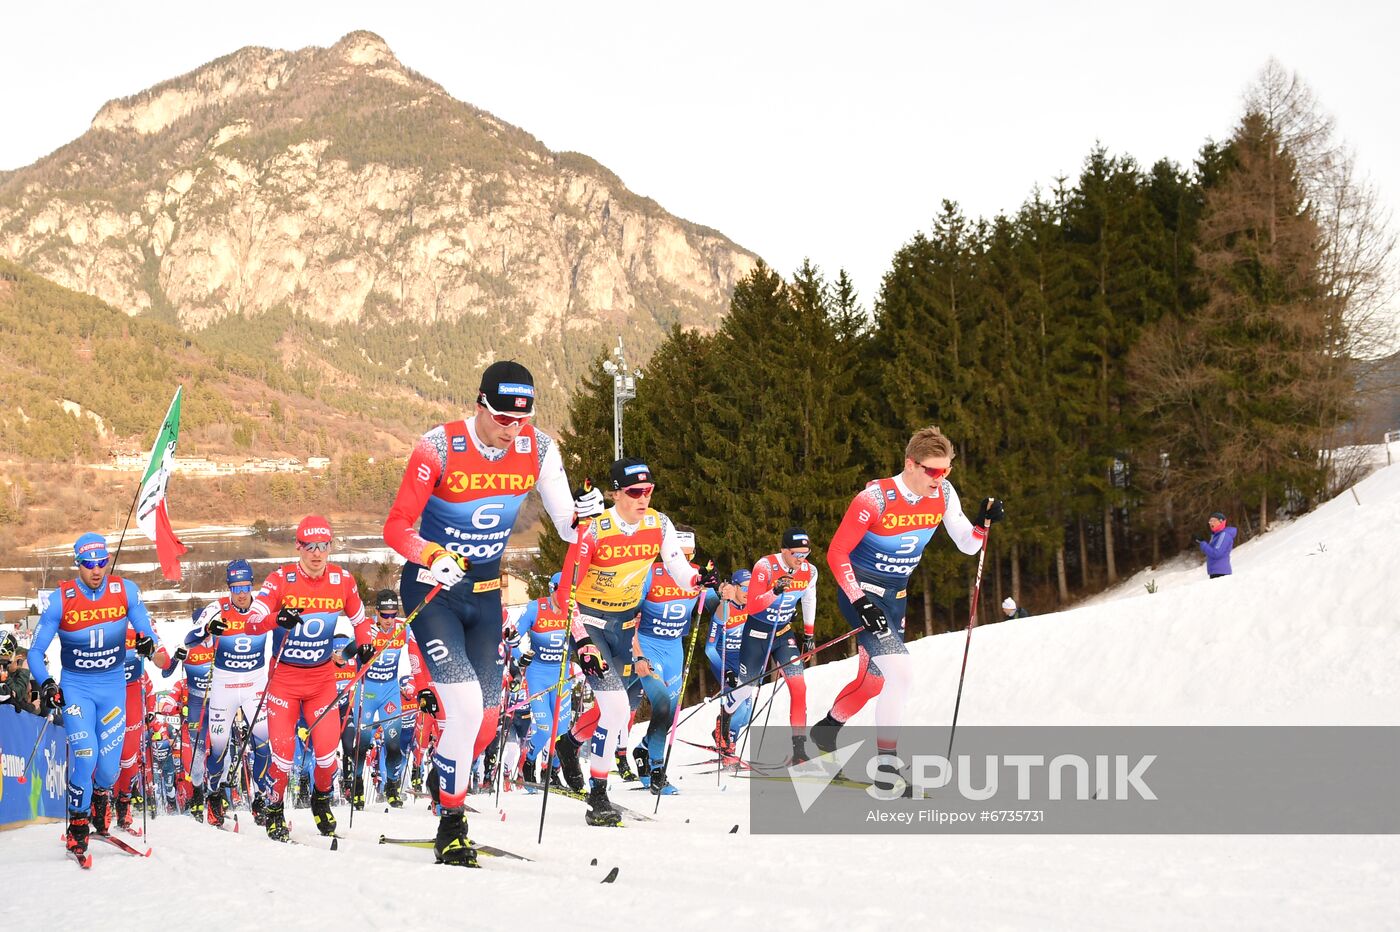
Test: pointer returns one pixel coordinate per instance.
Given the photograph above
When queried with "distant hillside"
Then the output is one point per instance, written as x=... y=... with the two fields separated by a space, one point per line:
x=81 y=377
x=332 y=209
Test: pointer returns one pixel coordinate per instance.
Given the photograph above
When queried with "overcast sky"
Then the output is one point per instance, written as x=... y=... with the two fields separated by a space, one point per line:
x=828 y=130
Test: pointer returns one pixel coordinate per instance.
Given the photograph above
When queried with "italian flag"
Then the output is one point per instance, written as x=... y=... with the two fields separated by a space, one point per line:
x=151 y=515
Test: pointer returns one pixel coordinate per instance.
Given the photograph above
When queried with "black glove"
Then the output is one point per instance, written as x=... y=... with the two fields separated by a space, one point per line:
x=590 y=658
x=427 y=701
x=809 y=644
x=181 y=653
x=992 y=512
x=145 y=646
x=288 y=618
x=731 y=679
x=780 y=585
x=217 y=626
x=709 y=577
x=364 y=652
x=526 y=659
x=871 y=617
x=50 y=696
x=1198 y=538
x=150 y=717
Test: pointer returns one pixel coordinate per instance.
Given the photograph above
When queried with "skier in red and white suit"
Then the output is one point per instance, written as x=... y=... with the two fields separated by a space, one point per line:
x=304 y=600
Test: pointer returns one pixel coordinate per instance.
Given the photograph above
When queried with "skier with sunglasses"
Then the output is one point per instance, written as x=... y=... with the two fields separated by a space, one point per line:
x=90 y=616
x=612 y=563
x=779 y=584
x=300 y=604
x=463 y=487
x=875 y=550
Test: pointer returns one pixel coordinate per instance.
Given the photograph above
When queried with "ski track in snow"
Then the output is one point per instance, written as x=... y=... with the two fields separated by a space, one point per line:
x=1304 y=633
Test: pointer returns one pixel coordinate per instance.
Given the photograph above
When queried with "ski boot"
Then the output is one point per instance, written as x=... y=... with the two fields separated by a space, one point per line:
x=275 y=821
x=824 y=734
x=76 y=838
x=566 y=748
x=624 y=766
x=527 y=771
x=600 y=809
x=799 y=751
x=196 y=809
x=259 y=809
x=433 y=786
x=217 y=804
x=451 y=845
x=124 y=818
x=417 y=780
x=101 y=822
x=391 y=794
x=357 y=798
x=660 y=786
x=556 y=778
x=303 y=797
x=643 y=764
x=723 y=743
x=321 y=812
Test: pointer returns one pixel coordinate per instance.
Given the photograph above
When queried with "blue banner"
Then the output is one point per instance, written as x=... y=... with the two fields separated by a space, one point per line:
x=44 y=791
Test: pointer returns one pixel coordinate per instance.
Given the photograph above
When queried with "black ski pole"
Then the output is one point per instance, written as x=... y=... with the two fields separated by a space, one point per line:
x=356 y=776
x=569 y=607
x=680 y=698
x=145 y=752
x=754 y=679
x=967 y=644
x=43 y=729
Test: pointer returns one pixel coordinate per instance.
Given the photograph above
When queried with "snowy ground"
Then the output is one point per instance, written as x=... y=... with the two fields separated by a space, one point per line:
x=1305 y=633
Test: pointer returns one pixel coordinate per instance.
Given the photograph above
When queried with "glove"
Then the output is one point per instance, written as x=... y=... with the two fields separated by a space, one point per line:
x=780 y=585
x=1198 y=538
x=871 y=617
x=526 y=659
x=509 y=633
x=217 y=626
x=809 y=644
x=150 y=717
x=708 y=578
x=181 y=653
x=447 y=570
x=145 y=646
x=50 y=696
x=731 y=679
x=288 y=618
x=992 y=512
x=427 y=701
x=590 y=658
x=588 y=502
x=364 y=652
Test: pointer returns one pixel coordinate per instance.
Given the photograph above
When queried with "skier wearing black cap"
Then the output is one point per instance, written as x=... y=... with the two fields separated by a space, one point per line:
x=376 y=702
x=612 y=563
x=780 y=582
x=463 y=486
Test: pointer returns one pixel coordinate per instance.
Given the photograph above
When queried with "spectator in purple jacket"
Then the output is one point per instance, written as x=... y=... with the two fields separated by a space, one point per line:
x=1217 y=548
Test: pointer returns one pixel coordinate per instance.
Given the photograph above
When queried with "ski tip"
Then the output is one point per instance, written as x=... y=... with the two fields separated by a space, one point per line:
x=612 y=875
x=593 y=863
x=734 y=830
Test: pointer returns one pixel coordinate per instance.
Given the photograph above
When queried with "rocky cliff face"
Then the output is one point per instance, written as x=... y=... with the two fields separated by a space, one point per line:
x=341 y=186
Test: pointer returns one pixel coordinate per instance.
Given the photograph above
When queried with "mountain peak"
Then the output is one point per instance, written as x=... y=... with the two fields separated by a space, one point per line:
x=363 y=47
